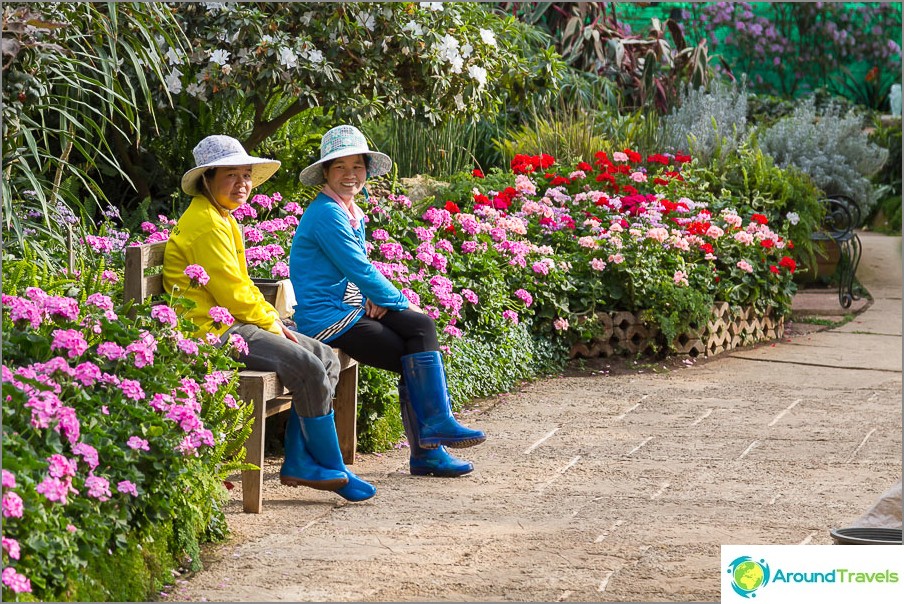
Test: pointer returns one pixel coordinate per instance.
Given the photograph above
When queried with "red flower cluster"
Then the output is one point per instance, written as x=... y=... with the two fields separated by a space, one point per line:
x=525 y=164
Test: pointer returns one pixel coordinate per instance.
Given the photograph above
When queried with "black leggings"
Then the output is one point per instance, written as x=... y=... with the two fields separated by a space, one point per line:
x=382 y=343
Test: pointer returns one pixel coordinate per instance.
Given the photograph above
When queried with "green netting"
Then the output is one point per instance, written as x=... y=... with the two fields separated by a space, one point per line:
x=853 y=48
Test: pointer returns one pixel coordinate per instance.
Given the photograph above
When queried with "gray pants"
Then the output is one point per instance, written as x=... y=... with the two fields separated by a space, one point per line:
x=309 y=369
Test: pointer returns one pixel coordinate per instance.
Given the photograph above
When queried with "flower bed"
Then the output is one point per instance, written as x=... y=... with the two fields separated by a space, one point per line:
x=626 y=333
x=117 y=434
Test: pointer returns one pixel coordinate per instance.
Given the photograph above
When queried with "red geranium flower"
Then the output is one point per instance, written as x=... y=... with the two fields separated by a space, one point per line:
x=767 y=243
x=481 y=200
x=682 y=159
x=452 y=207
x=774 y=269
x=476 y=173
x=707 y=248
x=559 y=180
x=789 y=263
x=658 y=158
x=759 y=219
x=584 y=166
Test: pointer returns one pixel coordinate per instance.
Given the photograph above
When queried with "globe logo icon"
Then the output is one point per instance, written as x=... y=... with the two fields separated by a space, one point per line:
x=748 y=575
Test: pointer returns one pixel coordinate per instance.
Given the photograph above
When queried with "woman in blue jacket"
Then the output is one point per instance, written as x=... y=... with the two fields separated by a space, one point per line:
x=343 y=300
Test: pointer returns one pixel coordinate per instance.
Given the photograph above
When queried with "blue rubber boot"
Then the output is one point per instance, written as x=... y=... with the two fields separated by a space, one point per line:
x=299 y=468
x=425 y=377
x=426 y=462
x=320 y=438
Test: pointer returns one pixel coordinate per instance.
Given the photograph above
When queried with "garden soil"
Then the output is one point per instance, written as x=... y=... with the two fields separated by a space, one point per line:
x=616 y=481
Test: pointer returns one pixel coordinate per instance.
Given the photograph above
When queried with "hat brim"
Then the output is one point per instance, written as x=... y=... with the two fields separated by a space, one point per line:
x=380 y=164
x=261 y=171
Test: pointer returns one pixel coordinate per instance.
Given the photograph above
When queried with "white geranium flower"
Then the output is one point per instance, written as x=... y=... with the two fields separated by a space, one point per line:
x=219 y=56
x=414 y=27
x=488 y=37
x=434 y=6
x=456 y=63
x=173 y=57
x=447 y=49
x=173 y=81
x=459 y=102
x=793 y=217
x=367 y=21
x=288 y=58
x=197 y=90
x=466 y=50
x=314 y=56
x=479 y=74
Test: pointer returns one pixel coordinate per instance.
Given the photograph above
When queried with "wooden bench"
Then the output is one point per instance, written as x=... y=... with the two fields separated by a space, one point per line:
x=263 y=389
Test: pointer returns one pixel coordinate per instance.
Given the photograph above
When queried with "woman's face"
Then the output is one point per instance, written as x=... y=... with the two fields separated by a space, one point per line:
x=231 y=186
x=347 y=176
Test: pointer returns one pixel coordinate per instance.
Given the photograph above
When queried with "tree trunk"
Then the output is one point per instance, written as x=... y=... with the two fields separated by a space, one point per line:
x=263 y=128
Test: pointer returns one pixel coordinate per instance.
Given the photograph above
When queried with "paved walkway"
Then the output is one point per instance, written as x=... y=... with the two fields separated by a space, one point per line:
x=604 y=488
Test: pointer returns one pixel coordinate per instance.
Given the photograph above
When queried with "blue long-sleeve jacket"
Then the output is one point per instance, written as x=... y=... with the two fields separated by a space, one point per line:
x=331 y=274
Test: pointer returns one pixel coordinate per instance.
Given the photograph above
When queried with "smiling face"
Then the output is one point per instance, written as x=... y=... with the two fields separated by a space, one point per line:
x=230 y=186
x=346 y=175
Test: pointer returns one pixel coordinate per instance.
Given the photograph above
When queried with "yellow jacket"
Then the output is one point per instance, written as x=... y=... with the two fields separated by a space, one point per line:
x=212 y=239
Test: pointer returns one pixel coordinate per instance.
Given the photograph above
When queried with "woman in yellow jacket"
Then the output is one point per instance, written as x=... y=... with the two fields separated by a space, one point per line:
x=207 y=236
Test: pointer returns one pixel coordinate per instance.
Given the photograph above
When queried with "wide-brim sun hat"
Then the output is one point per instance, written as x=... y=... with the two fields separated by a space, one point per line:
x=343 y=141
x=218 y=151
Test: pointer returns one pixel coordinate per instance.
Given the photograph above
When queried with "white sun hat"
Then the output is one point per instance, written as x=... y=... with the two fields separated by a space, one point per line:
x=218 y=151
x=343 y=141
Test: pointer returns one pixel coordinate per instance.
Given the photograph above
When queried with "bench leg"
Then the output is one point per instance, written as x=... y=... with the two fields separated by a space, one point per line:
x=345 y=406
x=252 y=480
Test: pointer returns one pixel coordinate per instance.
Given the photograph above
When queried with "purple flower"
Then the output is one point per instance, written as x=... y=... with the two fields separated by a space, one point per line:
x=60 y=466
x=189 y=347
x=56 y=489
x=137 y=443
x=88 y=453
x=380 y=235
x=452 y=331
x=165 y=314
x=15 y=581
x=412 y=296
x=11 y=546
x=127 y=486
x=100 y=301
x=239 y=343
x=220 y=316
x=132 y=389
x=524 y=296
x=22 y=310
x=98 y=487
x=280 y=269
x=12 y=505
x=86 y=373
x=111 y=351
x=70 y=340
x=197 y=275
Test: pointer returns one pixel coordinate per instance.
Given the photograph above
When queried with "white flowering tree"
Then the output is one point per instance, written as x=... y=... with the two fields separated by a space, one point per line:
x=423 y=60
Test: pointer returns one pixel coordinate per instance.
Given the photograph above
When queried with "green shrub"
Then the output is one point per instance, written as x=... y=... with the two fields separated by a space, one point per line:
x=831 y=147
x=708 y=122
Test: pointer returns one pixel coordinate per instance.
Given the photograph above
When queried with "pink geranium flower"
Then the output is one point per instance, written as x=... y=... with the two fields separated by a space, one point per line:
x=137 y=443
x=220 y=316
x=15 y=581
x=197 y=275
x=127 y=486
